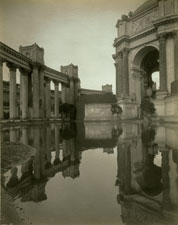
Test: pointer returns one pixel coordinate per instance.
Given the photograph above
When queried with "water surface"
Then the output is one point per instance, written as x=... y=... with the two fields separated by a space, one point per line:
x=94 y=173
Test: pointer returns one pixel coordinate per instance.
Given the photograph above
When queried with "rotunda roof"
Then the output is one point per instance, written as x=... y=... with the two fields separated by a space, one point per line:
x=145 y=6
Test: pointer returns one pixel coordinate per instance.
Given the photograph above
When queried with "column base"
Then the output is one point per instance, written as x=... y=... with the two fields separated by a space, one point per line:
x=129 y=108
x=174 y=87
x=161 y=94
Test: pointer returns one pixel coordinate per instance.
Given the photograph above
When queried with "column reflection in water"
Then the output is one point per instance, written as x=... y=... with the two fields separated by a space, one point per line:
x=24 y=137
x=42 y=152
x=13 y=135
x=48 y=146
x=36 y=145
x=57 y=147
x=71 y=154
x=144 y=184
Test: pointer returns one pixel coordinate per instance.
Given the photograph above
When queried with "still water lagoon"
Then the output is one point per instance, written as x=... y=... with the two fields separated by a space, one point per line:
x=95 y=173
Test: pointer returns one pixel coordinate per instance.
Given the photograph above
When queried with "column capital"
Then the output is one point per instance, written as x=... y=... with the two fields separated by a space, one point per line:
x=120 y=53
x=42 y=67
x=36 y=65
x=47 y=79
x=71 y=78
x=1 y=61
x=175 y=34
x=56 y=82
x=162 y=36
x=125 y=50
x=11 y=66
x=23 y=71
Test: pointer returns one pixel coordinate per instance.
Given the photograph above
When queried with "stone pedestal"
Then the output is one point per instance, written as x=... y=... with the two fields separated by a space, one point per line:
x=161 y=94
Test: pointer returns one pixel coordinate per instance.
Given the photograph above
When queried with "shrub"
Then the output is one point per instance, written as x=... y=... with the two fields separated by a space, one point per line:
x=116 y=109
x=147 y=107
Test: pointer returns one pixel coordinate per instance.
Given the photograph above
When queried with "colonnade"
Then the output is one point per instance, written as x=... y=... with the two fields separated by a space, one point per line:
x=35 y=92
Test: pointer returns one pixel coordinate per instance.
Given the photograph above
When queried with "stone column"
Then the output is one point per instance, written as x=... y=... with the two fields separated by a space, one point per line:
x=36 y=92
x=63 y=92
x=1 y=89
x=67 y=94
x=13 y=91
x=76 y=89
x=24 y=93
x=20 y=114
x=119 y=74
x=176 y=54
x=162 y=62
x=30 y=96
x=117 y=83
x=125 y=73
x=56 y=98
x=42 y=93
x=71 y=96
x=47 y=98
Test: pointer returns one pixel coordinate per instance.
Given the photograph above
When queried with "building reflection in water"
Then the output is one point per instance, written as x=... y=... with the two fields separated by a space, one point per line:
x=47 y=160
x=147 y=163
x=148 y=189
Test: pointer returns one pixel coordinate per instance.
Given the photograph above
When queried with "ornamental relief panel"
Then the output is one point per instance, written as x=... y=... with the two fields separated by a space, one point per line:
x=144 y=22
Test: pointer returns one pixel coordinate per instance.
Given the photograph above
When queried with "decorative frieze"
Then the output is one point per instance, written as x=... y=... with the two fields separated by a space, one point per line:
x=144 y=22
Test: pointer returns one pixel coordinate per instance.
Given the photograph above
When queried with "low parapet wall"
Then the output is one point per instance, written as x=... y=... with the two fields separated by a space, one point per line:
x=167 y=108
x=100 y=111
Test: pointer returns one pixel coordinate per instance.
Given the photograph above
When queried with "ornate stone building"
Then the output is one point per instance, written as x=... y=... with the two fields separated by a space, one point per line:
x=147 y=42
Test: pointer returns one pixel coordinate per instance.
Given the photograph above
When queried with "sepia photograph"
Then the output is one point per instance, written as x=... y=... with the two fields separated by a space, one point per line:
x=89 y=112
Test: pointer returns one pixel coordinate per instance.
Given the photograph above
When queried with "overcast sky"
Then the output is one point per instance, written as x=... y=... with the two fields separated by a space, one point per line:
x=71 y=31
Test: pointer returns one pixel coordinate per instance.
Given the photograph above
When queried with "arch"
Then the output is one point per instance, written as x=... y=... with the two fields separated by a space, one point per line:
x=145 y=63
x=141 y=53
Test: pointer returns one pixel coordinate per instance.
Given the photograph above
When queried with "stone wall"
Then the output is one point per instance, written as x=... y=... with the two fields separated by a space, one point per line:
x=167 y=108
x=99 y=111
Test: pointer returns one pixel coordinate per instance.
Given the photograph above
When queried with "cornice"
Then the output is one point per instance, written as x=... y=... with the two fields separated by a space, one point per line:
x=7 y=49
x=165 y=20
x=143 y=34
x=118 y=41
x=133 y=38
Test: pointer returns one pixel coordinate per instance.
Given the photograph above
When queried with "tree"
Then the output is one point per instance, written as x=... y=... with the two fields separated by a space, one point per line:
x=68 y=111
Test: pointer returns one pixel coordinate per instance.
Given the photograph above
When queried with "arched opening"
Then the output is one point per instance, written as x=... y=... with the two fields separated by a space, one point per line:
x=147 y=62
x=150 y=66
x=156 y=79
